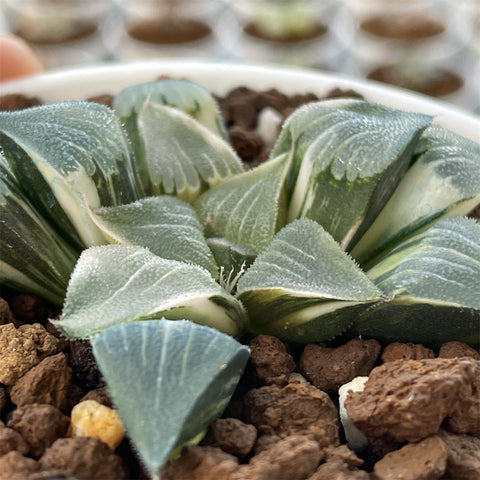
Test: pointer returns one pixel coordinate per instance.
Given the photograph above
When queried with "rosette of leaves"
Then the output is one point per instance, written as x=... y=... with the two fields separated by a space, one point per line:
x=342 y=230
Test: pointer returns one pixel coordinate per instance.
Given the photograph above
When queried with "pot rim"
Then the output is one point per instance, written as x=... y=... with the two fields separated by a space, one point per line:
x=80 y=82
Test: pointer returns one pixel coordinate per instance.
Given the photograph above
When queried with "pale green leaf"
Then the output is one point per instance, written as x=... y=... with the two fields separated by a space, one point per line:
x=248 y=209
x=117 y=284
x=175 y=153
x=33 y=257
x=433 y=279
x=444 y=181
x=68 y=157
x=166 y=225
x=189 y=97
x=347 y=158
x=304 y=287
x=169 y=381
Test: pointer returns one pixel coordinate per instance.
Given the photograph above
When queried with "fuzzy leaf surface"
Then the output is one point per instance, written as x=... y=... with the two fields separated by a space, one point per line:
x=186 y=374
x=68 y=157
x=248 y=209
x=33 y=257
x=176 y=154
x=444 y=181
x=347 y=158
x=433 y=280
x=117 y=284
x=304 y=287
x=166 y=225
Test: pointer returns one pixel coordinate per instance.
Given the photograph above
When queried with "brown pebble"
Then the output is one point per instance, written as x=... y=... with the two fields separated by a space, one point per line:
x=271 y=362
x=16 y=101
x=100 y=395
x=406 y=351
x=330 y=368
x=23 y=348
x=28 y=308
x=408 y=400
x=426 y=460
x=232 y=436
x=293 y=458
x=463 y=462
x=247 y=143
x=10 y=441
x=86 y=457
x=6 y=315
x=40 y=425
x=457 y=349
x=105 y=99
x=47 y=382
x=296 y=409
x=14 y=466
x=200 y=463
x=341 y=464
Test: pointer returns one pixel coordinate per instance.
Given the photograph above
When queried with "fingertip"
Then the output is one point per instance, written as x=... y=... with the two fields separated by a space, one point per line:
x=17 y=59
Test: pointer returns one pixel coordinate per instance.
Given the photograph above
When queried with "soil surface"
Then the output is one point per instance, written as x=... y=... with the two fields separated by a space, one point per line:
x=402 y=27
x=418 y=414
x=170 y=31
x=438 y=82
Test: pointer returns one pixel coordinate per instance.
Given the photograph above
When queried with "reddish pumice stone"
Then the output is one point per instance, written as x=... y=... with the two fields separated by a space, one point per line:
x=426 y=460
x=330 y=368
x=47 y=382
x=406 y=351
x=14 y=466
x=200 y=463
x=271 y=362
x=296 y=409
x=457 y=349
x=407 y=400
x=463 y=462
x=10 y=441
x=40 y=425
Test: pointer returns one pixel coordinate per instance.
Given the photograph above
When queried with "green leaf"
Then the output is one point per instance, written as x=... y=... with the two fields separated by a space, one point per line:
x=169 y=381
x=166 y=225
x=189 y=97
x=444 y=181
x=116 y=284
x=248 y=209
x=347 y=158
x=33 y=257
x=68 y=157
x=433 y=281
x=176 y=153
x=304 y=287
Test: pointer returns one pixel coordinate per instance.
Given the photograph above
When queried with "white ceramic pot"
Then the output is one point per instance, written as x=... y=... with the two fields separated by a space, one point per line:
x=83 y=82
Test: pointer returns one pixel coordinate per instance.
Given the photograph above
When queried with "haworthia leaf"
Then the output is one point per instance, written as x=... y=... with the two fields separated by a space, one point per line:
x=304 y=287
x=176 y=154
x=248 y=209
x=166 y=225
x=434 y=280
x=68 y=157
x=169 y=381
x=347 y=158
x=33 y=257
x=117 y=284
x=445 y=180
x=189 y=97
x=232 y=259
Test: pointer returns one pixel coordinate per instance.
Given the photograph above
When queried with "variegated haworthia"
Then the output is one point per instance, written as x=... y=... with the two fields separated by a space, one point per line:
x=344 y=175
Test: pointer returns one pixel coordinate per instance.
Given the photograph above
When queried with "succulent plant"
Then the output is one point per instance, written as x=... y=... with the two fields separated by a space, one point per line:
x=353 y=226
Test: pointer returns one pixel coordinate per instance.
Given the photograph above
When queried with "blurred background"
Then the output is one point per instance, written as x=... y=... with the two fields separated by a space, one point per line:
x=429 y=46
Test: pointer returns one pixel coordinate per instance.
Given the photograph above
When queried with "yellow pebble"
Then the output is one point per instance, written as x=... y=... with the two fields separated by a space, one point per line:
x=92 y=419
